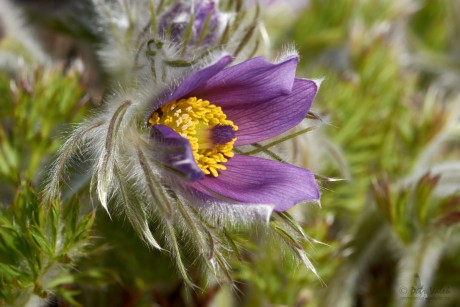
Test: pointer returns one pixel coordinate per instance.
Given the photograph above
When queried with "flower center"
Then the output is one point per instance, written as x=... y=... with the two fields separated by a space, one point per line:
x=205 y=125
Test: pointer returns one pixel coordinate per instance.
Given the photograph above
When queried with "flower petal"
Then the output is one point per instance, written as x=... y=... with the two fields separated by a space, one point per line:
x=253 y=81
x=197 y=79
x=205 y=10
x=260 y=181
x=260 y=121
x=175 y=153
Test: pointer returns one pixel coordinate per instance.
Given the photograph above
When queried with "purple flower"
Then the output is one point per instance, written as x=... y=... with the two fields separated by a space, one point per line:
x=217 y=109
x=203 y=15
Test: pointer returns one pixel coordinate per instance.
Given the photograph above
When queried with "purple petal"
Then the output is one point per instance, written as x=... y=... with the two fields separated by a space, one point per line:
x=260 y=181
x=176 y=21
x=168 y=19
x=253 y=81
x=260 y=121
x=197 y=79
x=175 y=152
x=203 y=11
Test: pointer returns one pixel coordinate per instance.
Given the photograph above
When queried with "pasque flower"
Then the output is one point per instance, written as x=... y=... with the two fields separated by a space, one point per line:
x=217 y=109
x=169 y=146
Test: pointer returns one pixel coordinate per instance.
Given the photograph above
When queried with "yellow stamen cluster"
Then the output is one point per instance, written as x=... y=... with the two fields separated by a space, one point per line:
x=193 y=118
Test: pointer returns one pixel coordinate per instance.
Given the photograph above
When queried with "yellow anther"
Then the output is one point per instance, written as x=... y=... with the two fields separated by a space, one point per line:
x=193 y=119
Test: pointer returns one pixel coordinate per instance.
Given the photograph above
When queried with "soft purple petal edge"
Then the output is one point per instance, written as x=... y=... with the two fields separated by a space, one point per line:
x=198 y=78
x=253 y=81
x=260 y=181
x=258 y=122
x=175 y=152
